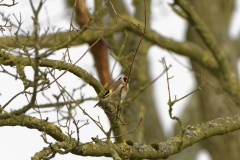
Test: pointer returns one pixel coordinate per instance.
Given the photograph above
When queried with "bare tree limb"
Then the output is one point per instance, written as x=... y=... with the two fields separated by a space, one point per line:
x=163 y=149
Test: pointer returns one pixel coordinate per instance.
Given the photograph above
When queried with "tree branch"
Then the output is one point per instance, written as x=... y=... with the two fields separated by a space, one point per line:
x=188 y=49
x=205 y=33
x=163 y=149
x=12 y=60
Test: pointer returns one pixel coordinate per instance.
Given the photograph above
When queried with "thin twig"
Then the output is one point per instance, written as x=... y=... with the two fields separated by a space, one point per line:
x=170 y=104
x=141 y=89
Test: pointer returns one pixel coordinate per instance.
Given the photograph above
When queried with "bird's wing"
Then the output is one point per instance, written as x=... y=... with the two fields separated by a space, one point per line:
x=112 y=88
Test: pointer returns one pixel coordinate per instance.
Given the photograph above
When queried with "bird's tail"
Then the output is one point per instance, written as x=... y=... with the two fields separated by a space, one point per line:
x=96 y=104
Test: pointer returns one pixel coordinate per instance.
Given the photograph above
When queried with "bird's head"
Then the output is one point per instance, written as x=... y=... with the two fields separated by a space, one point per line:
x=124 y=79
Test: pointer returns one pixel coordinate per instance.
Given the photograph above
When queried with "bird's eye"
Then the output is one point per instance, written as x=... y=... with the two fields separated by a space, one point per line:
x=125 y=79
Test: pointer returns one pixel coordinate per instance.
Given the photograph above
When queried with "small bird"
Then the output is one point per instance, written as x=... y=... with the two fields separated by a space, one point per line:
x=116 y=91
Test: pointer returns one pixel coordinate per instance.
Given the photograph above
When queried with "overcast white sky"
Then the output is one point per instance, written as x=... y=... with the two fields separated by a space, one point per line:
x=26 y=142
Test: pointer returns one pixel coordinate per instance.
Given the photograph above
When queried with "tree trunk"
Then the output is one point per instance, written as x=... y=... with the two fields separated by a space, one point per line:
x=213 y=102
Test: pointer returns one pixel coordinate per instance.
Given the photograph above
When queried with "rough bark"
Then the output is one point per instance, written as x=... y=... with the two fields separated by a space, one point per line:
x=213 y=102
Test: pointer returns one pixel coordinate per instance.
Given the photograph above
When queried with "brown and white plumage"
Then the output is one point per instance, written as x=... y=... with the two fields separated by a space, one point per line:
x=116 y=91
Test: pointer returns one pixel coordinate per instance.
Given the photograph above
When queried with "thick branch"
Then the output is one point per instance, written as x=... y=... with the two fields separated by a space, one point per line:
x=206 y=35
x=166 y=148
x=12 y=60
x=163 y=149
x=188 y=49
x=35 y=123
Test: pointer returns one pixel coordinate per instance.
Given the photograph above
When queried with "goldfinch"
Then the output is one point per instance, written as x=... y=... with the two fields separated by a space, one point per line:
x=116 y=91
